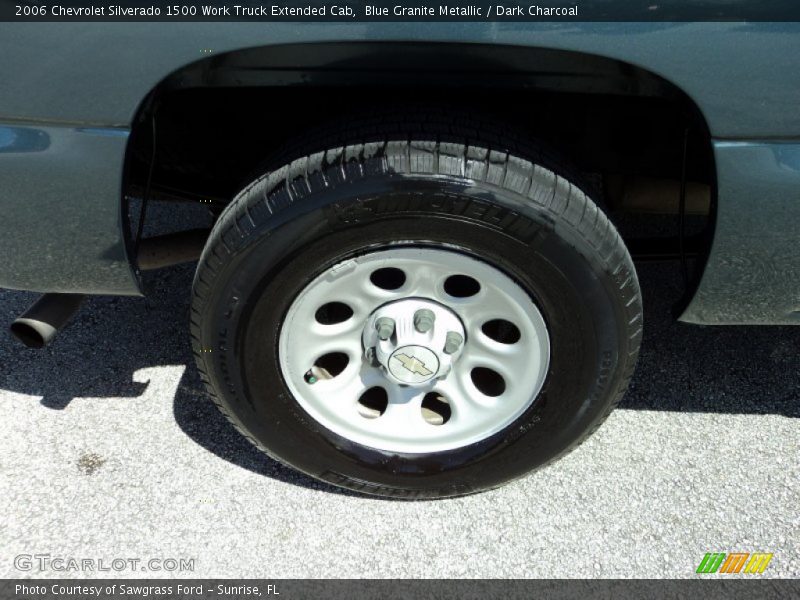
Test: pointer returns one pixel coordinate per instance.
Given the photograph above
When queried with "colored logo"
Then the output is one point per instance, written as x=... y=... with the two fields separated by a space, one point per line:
x=735 y=562
x=413 y=364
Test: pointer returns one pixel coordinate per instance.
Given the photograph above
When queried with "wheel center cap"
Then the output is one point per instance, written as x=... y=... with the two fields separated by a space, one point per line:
x=413 y=340
x=413 y=364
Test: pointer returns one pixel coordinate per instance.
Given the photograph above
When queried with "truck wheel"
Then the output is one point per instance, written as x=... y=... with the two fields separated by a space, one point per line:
x=416 y=314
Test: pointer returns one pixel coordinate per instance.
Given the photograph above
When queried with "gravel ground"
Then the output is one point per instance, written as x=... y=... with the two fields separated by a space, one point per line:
x=112 y=450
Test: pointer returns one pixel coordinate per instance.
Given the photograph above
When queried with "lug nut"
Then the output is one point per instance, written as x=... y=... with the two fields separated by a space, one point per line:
x=423 y=320
x=372 y=359
x=452 y=342
x=385 y=328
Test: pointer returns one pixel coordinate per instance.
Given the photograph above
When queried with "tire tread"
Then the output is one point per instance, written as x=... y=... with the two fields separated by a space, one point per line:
x=432 y=142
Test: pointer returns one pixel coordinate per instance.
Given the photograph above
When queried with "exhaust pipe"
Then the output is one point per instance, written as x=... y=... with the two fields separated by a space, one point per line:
x=49 y=314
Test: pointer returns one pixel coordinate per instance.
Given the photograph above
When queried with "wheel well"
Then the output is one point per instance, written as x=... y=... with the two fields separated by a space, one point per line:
x=628 y=129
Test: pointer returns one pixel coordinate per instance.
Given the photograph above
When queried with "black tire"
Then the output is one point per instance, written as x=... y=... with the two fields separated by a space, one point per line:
x=434 y=184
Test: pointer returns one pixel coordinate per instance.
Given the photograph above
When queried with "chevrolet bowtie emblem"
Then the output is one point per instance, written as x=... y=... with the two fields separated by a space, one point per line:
x=414 y=365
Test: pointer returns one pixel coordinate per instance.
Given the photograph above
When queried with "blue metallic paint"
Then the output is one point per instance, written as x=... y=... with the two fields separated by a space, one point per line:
x=753 y=272
x=743 y=76
x=60 y=219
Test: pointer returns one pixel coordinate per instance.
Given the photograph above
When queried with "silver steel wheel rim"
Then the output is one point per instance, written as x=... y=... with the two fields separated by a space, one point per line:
x=404 y=425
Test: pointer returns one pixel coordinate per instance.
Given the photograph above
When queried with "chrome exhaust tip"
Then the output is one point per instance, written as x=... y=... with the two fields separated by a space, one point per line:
x=38 y=325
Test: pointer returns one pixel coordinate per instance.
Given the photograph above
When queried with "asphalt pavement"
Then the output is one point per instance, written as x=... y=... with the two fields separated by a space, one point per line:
x=111 y=449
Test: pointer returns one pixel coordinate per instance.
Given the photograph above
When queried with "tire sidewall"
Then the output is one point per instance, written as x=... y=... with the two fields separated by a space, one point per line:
x=559 y=269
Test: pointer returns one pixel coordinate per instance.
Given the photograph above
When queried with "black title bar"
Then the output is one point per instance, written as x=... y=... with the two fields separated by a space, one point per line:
x=359 y=11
